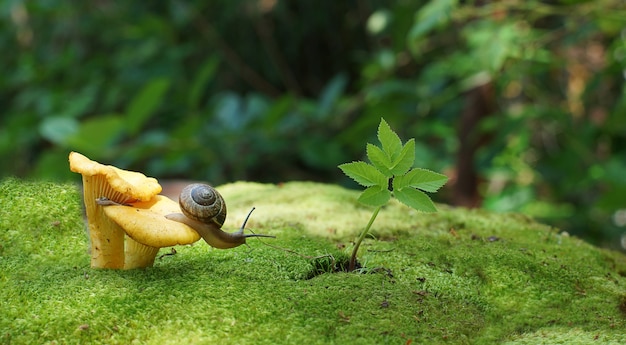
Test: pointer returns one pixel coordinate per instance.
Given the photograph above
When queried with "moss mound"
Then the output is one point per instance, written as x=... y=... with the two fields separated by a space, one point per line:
x=457 y=276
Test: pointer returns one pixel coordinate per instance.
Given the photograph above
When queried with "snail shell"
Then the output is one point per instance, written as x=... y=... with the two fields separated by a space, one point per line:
x=203 y=203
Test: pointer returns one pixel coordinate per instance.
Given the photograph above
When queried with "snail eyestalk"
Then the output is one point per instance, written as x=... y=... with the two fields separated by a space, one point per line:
x=243 y=226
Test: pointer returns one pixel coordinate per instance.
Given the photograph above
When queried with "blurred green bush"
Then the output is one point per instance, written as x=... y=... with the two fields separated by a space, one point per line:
x=522 y=103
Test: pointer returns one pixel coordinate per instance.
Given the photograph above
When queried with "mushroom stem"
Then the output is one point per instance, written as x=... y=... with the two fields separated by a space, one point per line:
x=106 y=237
x=138 y=255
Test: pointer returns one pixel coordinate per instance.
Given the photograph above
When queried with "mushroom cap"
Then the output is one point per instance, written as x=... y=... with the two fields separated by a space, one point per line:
x=145 y=222
x=118 y=185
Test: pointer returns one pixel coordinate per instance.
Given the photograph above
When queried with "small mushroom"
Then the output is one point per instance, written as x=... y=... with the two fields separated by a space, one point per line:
x=148 y=229
x=108 y=225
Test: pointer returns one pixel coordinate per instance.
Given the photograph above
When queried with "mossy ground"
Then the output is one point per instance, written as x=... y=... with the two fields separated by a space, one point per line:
x=457 y=276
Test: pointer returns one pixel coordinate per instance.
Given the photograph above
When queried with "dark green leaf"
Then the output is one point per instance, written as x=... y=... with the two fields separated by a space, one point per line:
x=229 y=111
x=364 y=174
x=392 y=145
x=492 y=43
x=405 y=159
x=145 y=104
x=276 y=112
x=379 y=159
x=201 y=80
x=330 y=95
x=434 y=14
x=97 y=135
x=375 y=196
x=58 y=129
x=415 y=199
x=423 y=179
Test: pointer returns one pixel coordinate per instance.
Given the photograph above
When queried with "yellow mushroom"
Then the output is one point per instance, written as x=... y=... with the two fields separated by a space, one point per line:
x=110 y=247
x=148 y=229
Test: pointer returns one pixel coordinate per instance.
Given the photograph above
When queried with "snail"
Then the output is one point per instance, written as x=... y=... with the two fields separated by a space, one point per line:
x=204 y=210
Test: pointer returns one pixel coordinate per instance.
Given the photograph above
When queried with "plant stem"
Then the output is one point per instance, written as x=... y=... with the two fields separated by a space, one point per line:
x=355 y=250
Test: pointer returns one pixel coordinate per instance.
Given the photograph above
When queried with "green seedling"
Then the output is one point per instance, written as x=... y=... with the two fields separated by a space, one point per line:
x=391 y=173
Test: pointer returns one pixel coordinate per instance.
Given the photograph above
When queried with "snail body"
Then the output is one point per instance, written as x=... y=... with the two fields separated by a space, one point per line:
x=204 y=210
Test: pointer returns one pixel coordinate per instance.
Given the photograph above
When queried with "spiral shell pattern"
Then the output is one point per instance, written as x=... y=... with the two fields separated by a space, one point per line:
x=203 y=203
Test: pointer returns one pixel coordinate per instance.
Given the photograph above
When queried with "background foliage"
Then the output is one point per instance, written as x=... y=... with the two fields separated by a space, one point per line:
x=521 y=103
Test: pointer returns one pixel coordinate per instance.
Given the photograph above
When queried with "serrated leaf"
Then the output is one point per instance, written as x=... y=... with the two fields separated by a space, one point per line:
x=379 y=159
x=392 y=145
x=415 y=199
x=423 y=179
x=364 y=174
x=405 y=159
x=375 y=196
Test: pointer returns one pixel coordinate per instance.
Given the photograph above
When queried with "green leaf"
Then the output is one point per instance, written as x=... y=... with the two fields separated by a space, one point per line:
x=203 y=77
x=277 y=112
x=379 y=159
x=434 y=14
x=375 y=196
x=415 y=199
x=364 y=174
x=330 y=95
x=145 y=104
x=492 y=43
x=405 y=159
x=423 y=179
x=392 y=145
x=57 y=129
x=97 y=134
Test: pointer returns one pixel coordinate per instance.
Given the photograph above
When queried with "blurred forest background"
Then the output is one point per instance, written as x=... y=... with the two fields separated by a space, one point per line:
x=520 y=102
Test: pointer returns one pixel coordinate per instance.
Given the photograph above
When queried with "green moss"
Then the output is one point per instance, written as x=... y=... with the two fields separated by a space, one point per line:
x=457 y=276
